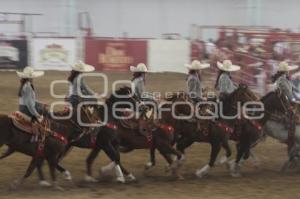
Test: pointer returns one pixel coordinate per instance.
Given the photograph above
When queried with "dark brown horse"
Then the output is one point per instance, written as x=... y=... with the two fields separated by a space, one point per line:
x=60 y=132
x=217 y=131
x=188 y=131
x=20 y=141
x=157 y=136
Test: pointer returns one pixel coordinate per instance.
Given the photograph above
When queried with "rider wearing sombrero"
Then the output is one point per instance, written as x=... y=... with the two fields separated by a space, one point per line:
x=138 y=83
x=226 y=86
x=283 y=83
x=224 y=83
x=79 y=91
x=194 y=85
x=27 y=95
x=138 y=80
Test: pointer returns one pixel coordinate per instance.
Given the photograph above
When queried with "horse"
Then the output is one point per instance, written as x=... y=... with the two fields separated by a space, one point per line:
x=61 y=132
x=278 y=109
x=158 y=136
x=123 y=137
x=246 y=133
x=220 y=131
x=187 y=131
x=50 y=149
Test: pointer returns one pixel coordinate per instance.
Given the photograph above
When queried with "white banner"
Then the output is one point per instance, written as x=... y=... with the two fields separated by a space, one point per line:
x=53 y=53
x=168 y=55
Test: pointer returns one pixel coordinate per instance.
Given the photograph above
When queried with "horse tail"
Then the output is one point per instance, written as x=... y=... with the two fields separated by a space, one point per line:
x=5 y=121
x=5 y=127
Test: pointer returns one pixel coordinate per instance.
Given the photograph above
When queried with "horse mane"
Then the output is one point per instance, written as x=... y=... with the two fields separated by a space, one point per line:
x=241 y=86
x=125 y=90
x=267 y=96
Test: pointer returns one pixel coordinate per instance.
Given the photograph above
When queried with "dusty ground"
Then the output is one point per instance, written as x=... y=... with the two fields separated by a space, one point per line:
x=266 y=182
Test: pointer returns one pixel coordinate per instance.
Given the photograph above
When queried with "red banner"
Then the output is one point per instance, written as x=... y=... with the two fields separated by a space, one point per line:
x=115 y=55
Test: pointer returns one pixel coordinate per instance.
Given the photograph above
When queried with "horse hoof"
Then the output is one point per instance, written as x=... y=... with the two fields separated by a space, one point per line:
x=180 y=161
x=90 y=179
x=223 y=160
x=67 y=175
x=257 y=165
x=121 y=180
x=131 y=178
x=58 y=188
x=148 y=166
x=44 y=183
x=167 y=168
x=200 y=173
x=179 y=177
x=14 y=186
x=235 y=175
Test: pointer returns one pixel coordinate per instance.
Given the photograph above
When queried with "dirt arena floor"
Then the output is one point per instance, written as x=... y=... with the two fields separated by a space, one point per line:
x=265 y=182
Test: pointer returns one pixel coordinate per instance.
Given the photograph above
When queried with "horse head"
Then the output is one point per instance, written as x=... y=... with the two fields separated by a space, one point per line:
x=123 y=94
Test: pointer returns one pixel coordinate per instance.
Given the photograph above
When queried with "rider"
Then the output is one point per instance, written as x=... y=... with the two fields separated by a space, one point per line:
x=194 y=87
x=27 y=96
x=282 y=81
x=138 y=83
x=78 y=87
x=224 y=83
x=138 y=80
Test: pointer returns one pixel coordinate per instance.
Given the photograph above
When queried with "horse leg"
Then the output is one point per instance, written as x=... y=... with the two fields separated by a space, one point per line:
x=181 y=146
x=152 y=162
x=42 y=180
x=34 y=162
x=89 y=161
x=67 y=175
x=114 y=155
x=129 y=176
x=166 y=150
x=170 y=161
x=53 y=162
x=228 y=152
x=292 y=153
x=215 y=149
x=242 y=149
x=254 y=159
x=184 y=143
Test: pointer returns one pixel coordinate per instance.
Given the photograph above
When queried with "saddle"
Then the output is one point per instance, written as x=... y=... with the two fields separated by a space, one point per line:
x=141 y=124
x=278 y=117
x=22 y=122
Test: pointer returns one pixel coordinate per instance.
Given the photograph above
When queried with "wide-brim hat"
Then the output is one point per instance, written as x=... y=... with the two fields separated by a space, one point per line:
x=80 y=66
x=140 y=68
x=30 y=73
x=228 y=66
x=284 y=67
x=197 y=65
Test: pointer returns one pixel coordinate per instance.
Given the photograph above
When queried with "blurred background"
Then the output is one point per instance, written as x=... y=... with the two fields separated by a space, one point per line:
x=164 y=34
